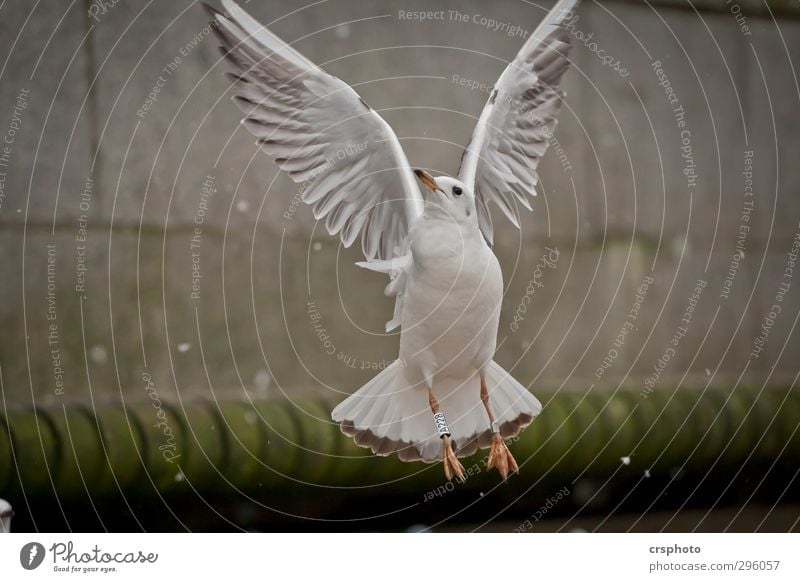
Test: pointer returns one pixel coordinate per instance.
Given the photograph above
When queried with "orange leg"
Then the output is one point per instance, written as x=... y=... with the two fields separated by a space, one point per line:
x=452 y=466
x=499 y=456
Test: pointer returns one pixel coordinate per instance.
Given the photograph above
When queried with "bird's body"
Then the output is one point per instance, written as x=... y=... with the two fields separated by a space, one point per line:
x=455 y=284
x=450 y=289
x=446 y=280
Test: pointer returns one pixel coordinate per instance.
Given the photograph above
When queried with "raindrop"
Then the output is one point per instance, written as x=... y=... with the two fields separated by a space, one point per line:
x=584 y=491
x=242 y=206
x=184 y=347
x=625 y=460
x=342 y=31
x=98 y=354
x=262 y=380
x=317 y=246
x=680 y=245
x=179 y=477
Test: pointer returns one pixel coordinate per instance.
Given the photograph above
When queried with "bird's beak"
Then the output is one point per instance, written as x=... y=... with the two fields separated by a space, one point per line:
x=428 y=180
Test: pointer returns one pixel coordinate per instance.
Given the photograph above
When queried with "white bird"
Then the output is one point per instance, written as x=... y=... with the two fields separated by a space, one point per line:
x=6 y=513
x=445 y=396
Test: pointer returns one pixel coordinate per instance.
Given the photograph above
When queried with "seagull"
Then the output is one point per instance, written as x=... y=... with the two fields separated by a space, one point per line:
x=445 y=396
x=6 y=513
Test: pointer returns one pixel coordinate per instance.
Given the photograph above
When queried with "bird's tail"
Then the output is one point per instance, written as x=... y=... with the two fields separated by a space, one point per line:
x=390 y=414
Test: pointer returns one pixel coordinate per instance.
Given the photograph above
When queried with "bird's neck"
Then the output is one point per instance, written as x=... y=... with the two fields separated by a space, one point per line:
x=459 y=218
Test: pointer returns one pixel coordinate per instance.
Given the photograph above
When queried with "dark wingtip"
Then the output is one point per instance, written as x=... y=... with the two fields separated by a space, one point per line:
x=210 y=10
x=418 y=173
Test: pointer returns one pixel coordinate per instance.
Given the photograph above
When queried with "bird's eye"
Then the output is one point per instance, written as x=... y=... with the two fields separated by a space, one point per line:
x=457 y=191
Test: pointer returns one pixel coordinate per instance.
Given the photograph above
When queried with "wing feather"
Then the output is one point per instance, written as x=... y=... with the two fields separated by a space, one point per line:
x=322 y=134
x=513 y=131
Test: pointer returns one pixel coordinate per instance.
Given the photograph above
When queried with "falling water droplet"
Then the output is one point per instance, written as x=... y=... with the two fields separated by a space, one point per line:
x=342 y=31
x=262 y=380
x=98 y=354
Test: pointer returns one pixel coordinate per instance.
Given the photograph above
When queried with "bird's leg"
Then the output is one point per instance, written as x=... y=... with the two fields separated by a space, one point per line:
x=499 y=456
x=452 y=466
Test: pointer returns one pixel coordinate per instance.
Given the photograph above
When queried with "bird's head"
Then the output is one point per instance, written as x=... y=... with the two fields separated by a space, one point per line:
x=449 y=196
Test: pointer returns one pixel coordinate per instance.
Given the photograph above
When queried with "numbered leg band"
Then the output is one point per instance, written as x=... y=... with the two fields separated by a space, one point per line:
x=441 y=424
x=495 y=426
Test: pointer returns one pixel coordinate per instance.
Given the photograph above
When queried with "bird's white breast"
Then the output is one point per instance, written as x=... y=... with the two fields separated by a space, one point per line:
x=452 y=302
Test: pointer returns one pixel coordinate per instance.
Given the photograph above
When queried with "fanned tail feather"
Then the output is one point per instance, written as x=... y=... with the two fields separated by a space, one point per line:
x=391 y=415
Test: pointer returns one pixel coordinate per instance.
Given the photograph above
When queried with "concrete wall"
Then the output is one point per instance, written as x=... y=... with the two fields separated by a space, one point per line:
x=114 y=315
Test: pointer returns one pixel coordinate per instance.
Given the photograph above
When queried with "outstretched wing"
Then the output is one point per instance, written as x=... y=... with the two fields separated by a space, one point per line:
x=347 y=159
x=512 y=133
